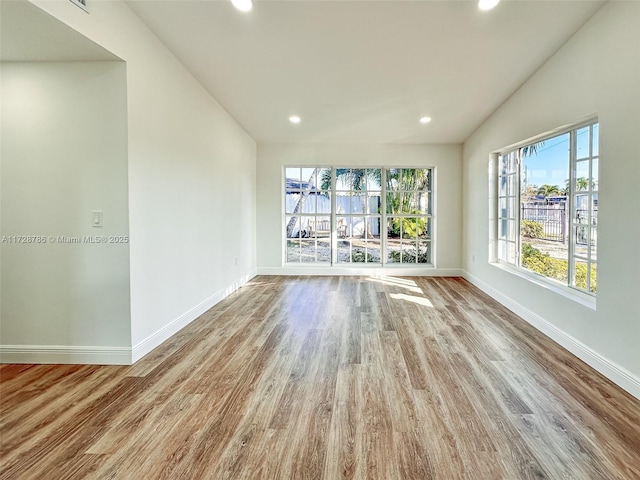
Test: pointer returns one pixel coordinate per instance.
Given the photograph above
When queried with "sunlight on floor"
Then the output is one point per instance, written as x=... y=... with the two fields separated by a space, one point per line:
x=397 y=282
x=407 y=285
x=411 y=298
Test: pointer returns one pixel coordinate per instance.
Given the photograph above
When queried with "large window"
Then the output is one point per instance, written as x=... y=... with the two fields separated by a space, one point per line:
x=548 y=207
x=358 y=215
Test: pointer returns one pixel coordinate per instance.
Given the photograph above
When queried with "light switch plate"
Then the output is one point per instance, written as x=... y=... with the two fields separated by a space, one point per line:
x=96 y=218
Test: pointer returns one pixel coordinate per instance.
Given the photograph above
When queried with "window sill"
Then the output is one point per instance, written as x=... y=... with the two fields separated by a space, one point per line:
x=357 y=265
x=583 y=299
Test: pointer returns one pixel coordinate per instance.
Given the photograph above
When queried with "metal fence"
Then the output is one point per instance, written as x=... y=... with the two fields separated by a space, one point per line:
x=554 y=221
x=552 y=218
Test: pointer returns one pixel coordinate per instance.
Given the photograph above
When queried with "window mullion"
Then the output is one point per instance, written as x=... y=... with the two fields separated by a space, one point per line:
x=334 y=221
x=571 y=195
x=518 y=193
x=383 y=216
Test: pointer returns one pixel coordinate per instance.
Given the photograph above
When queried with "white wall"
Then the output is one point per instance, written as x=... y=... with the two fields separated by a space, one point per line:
x=64 y=154
x=191 y=179
x=272 y=158
x=596 y=72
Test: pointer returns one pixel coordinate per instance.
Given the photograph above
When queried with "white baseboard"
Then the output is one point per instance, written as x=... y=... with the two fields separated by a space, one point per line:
x=617 y=374
x=156 y=339
x=295 y=270
x=62 y=354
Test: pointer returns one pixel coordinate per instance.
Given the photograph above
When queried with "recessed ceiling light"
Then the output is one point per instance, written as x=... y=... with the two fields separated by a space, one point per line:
x=487 y=4
x=425 y=119
x=243 y=5
x=295 y=119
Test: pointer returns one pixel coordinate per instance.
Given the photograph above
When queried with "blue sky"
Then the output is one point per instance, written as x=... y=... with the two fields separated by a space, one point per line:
x=550 y=164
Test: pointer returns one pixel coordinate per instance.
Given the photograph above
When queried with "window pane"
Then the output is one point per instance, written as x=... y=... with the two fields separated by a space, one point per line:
x=513 y=165
x=502 y=250
x=324 y=202
x=423 y=179
x=503 y=165
x=324 y=253
x=307 y=251
x=358 y=203
x=293 y=174
x=357 y=227
x=502 y=186
x=343 y=179
x=511 y=230
x=580 y=240
x=594 y=174
x=408 y=228
x=308 y=178
x=344 y=251
x=580 y=279
x=343 y=203
x=374 y=178
x=424 y=252
x=423 y=227
x=324 y=179
x=512 y=207
x=582 y=176
x=341 y=227
x=408 y=253
x=412 y=202
x=582 y=143
x=511 y=253
x=291 y=199
x=596 y=140
x=293 y=250
x=503 y=213
x=320 y=227
x=424 y=203
x=393 y=179
x=373 y=251
x=373 y=227
x=393 y=251
x=502 y=228
x=292 y=227
x=393 y=229
x=512 y=185
x=582 y=208
x=393 y=203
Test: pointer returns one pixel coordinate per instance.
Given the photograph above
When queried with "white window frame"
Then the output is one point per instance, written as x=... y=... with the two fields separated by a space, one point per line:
x=383 y=215
x=504 y=238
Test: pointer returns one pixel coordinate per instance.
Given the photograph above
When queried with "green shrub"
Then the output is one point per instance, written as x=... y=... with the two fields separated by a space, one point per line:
x=409 y=256
x=531 y=229
x=581 y=277
x=556 y=268
x=411 y=227
x=359 y=256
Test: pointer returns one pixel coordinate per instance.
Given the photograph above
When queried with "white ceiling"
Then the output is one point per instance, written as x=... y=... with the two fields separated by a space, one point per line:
x=363 y=71
x=29 y=34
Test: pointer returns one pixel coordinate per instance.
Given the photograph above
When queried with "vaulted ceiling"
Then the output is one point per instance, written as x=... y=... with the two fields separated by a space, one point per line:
x=363 y=71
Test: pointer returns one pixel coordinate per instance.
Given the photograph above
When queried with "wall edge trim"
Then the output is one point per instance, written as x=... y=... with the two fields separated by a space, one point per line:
x=614 y=372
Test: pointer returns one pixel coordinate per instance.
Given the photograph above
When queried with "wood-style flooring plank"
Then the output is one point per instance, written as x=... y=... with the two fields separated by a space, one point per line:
x=329 y=378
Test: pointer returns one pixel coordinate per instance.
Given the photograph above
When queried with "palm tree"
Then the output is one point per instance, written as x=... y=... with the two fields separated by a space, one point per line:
x=582 y=184
x=399 y=184
x=530 y=150
x=301 y=201
x=547 y=190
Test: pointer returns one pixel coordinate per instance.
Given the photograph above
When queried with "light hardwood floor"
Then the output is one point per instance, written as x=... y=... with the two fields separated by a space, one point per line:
x=308 y=377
